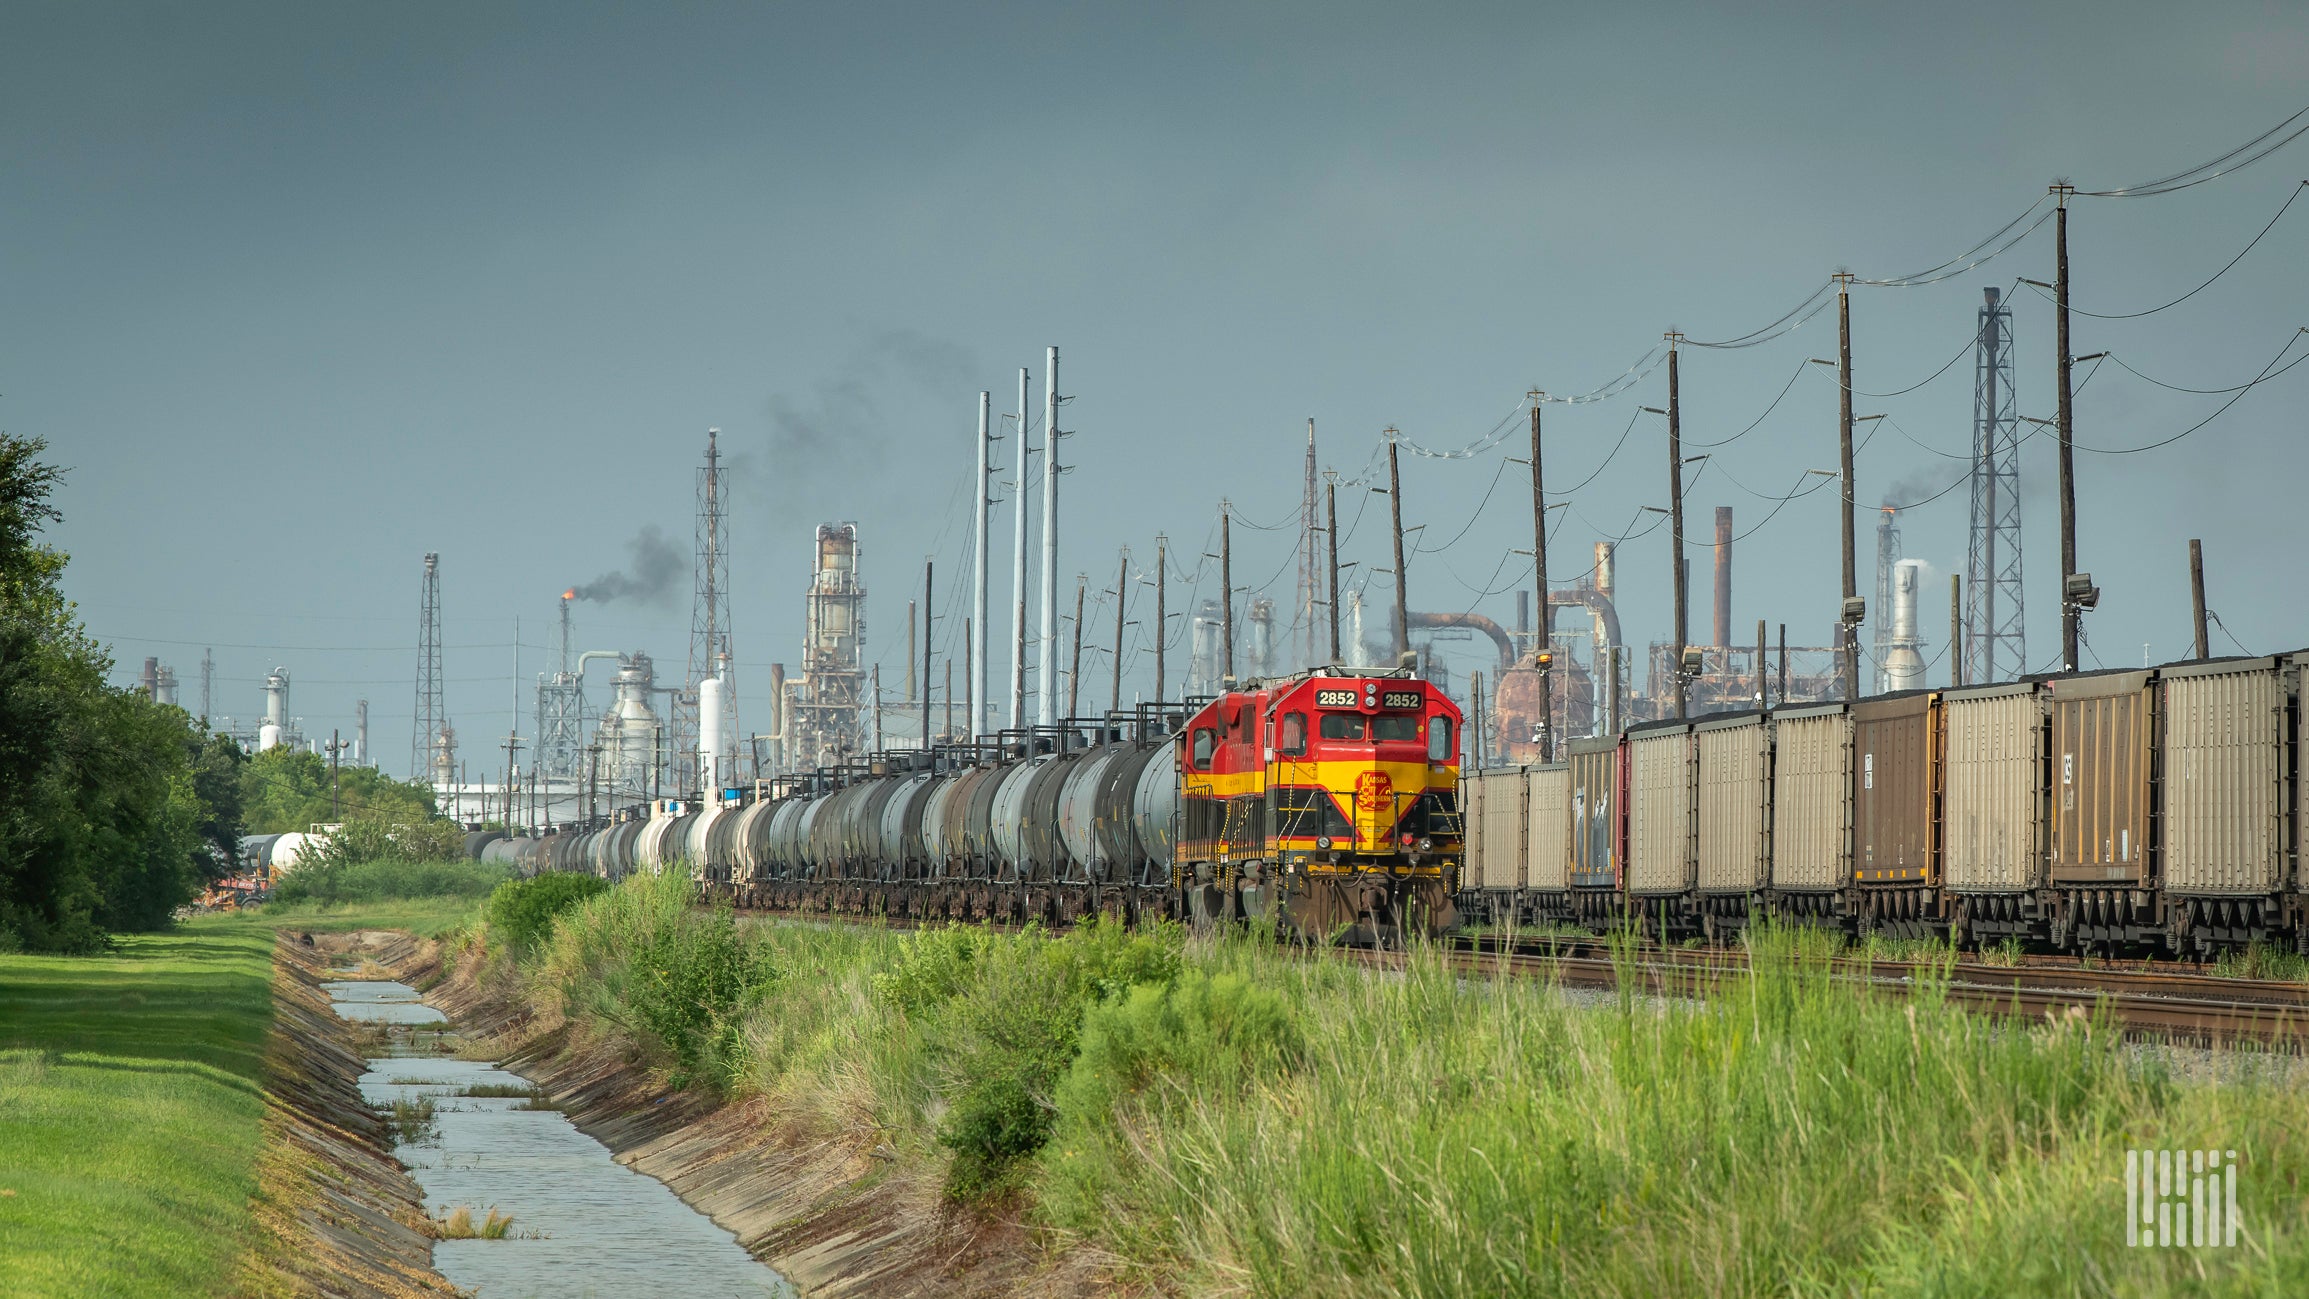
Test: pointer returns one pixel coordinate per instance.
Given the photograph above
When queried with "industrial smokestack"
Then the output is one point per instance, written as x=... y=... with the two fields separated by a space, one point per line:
x=1603 y=566
x=1903 y=663
x=361 y=733
x=150 y=681
x=1723 y=576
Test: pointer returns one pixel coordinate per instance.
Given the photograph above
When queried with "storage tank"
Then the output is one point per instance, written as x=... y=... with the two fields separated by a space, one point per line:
x=292 y=849
x=709 y=753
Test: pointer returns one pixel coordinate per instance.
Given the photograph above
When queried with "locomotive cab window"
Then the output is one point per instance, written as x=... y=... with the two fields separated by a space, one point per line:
x=1439 y=746
x=1294 y=734
x=1395 y=727
x=1341 y=726
x=1206 y=743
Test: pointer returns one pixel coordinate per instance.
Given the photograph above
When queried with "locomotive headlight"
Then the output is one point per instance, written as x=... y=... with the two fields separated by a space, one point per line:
x=1323 y=841
x=1425 y=844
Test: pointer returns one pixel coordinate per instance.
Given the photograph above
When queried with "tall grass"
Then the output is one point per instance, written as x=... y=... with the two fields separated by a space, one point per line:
x=1225 y=1117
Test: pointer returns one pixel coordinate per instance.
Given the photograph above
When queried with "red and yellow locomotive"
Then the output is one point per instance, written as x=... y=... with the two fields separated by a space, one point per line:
x=1327 y=800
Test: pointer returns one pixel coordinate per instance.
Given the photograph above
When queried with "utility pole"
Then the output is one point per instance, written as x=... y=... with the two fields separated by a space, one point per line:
x=971 y=665
x=1544 y=650
x=1851 y=655
x=1227 y=593
x=1050 y=472
x=1162 y=612
x=1121 y=588
x=336 y=787
x=2068 y=604
x=929 y=570
x=1783 y=663
x=1763 y=665
x=947 y=730
x=973 y=652
x=2197 y=596
x=512 y=745
x=913 y=652
x=1955 y=629
x=1018 y=560
x=1402 y=589
x=207 y=684
x=1331 y=524
x=1074 y=665
x=1676 y=518
x=1475 y=706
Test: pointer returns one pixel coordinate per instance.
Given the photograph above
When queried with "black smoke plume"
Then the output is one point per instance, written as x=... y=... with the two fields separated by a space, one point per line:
x=649 y=575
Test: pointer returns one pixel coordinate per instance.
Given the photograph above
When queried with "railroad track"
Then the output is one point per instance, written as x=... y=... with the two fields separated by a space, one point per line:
x=2173 y=1006
x=2181 y=1008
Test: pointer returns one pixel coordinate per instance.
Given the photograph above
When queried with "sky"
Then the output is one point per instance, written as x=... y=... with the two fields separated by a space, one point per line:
x=299 y=293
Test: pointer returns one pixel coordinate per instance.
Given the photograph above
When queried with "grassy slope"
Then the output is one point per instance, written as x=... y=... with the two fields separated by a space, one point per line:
x=1441 y=1136
x=129 y=1100
x=130 y=1111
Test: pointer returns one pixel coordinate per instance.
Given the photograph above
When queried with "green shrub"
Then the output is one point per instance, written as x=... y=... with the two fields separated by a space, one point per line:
x=688 y=987
x=1007 y=1039
x=1203 y=1037
x=523 y=910
x=933 y=967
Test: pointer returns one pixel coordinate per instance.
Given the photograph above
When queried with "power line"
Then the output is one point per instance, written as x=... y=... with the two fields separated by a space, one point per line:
x=2235 y=160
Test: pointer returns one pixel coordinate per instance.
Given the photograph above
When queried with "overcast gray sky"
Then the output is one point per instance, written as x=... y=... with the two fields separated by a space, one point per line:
x=301 y=292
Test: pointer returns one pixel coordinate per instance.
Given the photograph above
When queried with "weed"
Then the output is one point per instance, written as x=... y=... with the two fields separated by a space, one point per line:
x=458 y=1224
x=2262 y=961
x=411 y=1120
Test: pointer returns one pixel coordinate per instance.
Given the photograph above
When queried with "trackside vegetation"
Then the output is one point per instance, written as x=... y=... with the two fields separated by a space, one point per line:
x=1221 y=1115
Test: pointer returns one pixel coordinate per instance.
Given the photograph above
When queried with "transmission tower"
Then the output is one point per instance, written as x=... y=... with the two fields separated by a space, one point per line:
x=432 y=745
x=1312 y=648
x=709 y=636
x=1995 y=621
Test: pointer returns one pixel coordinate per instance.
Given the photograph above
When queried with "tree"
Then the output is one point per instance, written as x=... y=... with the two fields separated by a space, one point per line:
x=284 y=790
x=217 y=762
x=100 y=814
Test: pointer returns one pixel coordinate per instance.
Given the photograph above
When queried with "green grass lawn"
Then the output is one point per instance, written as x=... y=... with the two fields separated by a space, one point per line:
x=130 y=1105
x=130 y=1113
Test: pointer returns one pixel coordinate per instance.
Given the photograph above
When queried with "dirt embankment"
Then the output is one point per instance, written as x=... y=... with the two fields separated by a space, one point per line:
x=336 y=1213
x=838 y=1214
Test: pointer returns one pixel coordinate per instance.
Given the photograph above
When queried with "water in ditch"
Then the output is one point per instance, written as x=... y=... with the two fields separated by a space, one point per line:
x=583 y=1224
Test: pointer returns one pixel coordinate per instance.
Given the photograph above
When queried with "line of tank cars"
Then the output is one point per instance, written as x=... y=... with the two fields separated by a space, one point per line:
x=1327 y=799
x=2159 y=809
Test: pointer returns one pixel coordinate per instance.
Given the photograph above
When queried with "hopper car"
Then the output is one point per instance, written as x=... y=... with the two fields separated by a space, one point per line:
x=2159 y=810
